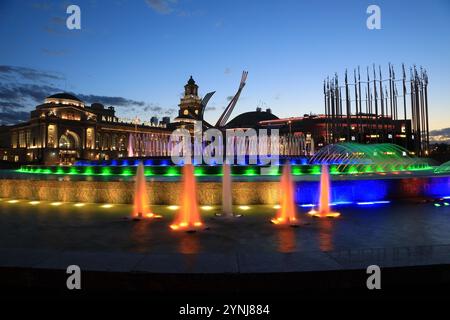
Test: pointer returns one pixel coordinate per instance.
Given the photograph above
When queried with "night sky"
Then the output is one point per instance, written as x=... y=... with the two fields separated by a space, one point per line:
x=137 y=55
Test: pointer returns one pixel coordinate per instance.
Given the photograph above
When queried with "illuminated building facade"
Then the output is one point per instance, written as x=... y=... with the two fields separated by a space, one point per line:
x=64 y=129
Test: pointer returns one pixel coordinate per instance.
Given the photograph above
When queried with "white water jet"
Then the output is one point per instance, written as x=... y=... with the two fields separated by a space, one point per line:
x=227 y=201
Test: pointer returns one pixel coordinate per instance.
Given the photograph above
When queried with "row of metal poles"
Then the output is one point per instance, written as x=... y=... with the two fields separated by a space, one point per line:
x=375 y=111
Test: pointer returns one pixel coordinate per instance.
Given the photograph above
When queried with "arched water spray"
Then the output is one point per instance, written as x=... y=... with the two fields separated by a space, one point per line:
x=360 y=158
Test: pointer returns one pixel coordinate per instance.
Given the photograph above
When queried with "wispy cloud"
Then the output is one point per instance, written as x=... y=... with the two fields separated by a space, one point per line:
x=440 y=136
x=109 y=100
x=54 y=53
x=162 y=6
x=11 y=72
x=21 y=89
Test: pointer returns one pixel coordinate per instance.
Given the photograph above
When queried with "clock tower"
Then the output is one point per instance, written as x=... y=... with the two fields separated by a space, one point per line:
x=190 y=104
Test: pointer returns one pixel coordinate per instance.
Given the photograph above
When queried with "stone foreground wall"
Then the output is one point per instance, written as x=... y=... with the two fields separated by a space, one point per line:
x=167 y=193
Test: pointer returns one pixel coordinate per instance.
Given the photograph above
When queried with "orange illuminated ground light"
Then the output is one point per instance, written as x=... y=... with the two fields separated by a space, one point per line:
x=152 y=215
x=188 y=216
x=287 y=213
x=324 y=203
x=318 y=214
x=281 y=220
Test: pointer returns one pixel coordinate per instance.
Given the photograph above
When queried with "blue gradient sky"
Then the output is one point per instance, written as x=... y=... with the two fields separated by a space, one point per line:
x=146 y=50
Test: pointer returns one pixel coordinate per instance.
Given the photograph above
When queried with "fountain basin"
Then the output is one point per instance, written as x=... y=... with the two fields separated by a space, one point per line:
x=245 y=189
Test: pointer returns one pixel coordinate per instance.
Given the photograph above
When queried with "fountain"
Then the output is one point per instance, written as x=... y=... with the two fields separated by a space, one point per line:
x=130 y=146
x=140 y=205
x=227 y=197
x=287 y=214
x=324 y=201
x=188 y=217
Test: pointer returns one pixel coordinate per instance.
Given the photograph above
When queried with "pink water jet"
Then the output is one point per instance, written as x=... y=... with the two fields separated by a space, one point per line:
x=287 y=214
x=324 y=200
x=130 y=146
x=188 y=217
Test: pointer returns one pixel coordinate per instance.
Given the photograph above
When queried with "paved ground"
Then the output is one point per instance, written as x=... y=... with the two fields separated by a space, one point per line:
x=98 y=238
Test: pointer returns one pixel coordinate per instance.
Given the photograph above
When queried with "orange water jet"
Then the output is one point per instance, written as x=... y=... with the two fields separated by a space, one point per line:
x=324 y=201
x=287 y=214
x=140 y=205
x=188 y=217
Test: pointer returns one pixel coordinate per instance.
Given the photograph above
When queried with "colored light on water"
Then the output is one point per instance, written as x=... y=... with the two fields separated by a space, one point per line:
x=89 y=171
x=198 y=172
x=250 y=172
x=338 y=203
x=307 y=205
x=106 y=206
x=334 y=170
x=207 y=208
x=173 y=207
x=73 y=170
x=149 y=172
x=277 y=206
x=171 y=172
x=368 y=203
x=33 y=203
x=244 y=207
x=126 y=172
x=106 y=171
x=296 y=171
x=56 y=204
x=437 y=205
x=353 y=170
x=368 y=169
x=315 y=170
x=79 y=205
x=13 y=201
x=273 y=171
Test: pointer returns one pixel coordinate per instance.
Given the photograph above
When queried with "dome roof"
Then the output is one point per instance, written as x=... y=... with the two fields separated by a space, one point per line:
x=64 y=95
x=250 y=119
x=97 y=106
